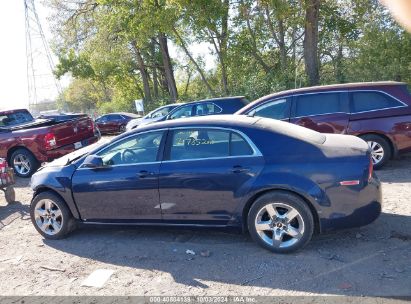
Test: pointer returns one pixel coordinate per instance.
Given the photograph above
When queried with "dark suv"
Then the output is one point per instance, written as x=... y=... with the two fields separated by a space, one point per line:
x=214 y=106
x=378 y=112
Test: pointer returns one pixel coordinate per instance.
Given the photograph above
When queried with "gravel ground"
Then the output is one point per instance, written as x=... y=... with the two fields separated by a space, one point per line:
x=372 y=260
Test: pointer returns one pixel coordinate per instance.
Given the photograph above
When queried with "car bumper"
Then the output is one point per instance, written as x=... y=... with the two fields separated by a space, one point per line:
x=353 y=208
x=47 y=156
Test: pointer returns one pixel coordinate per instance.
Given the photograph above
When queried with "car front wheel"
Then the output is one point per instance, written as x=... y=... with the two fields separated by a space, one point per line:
x=280 y=222
x=50 y=216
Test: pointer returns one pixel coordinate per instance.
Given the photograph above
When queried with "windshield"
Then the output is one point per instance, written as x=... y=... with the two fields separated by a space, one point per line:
x=15 y=118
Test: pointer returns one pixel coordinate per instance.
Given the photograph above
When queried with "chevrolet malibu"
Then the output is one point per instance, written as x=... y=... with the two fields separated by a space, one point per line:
x=281 y=182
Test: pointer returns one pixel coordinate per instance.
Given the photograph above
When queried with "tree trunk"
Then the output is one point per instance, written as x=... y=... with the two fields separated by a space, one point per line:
x=154 y=68
x=311 y=41
x=143 y=72
x=223 y=46
x=168 y=67
x=199 y=70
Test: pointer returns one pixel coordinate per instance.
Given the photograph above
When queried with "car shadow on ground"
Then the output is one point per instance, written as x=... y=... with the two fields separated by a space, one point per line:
x=12 y=212
x=396 y=170
x=352 y=262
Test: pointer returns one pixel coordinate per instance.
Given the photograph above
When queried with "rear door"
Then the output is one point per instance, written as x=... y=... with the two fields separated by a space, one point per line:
x=325 y=112
x=204 y=174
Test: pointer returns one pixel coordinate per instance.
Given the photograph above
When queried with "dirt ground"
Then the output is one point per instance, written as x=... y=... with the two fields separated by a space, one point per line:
x=370 y=261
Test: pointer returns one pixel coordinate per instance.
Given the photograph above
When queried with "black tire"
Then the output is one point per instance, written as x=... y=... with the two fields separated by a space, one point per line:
x=67 y=222
x=10 y=194
x=383 y=143
x=122 y=128
x=33 y=162
x=287 y=199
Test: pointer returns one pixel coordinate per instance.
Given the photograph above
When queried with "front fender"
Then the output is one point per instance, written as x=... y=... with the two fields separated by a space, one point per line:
x=57 y=179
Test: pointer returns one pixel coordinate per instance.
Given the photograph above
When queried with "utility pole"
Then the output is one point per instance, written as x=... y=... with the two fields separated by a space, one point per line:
x=42 y=85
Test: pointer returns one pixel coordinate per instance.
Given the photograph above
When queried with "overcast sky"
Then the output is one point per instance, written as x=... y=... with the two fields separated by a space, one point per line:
x=13 y=65
x=13 y=75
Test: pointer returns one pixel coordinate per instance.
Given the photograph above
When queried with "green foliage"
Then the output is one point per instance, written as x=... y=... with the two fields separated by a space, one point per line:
x=111 y=48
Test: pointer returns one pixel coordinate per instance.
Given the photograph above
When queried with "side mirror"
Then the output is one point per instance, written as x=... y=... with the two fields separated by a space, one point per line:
x=93 y=161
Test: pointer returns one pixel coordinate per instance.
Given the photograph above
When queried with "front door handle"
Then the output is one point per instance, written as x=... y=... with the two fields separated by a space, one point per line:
x=239 y=169
x=145 y=173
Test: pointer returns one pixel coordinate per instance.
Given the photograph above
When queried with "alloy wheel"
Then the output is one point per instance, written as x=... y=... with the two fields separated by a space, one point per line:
x=48 y=217
x=377 y=151
x=279 y=225
x=22 y=164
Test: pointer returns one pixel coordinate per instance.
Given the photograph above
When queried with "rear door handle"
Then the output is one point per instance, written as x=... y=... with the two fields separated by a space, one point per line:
x=145 y=173
x=239 y=169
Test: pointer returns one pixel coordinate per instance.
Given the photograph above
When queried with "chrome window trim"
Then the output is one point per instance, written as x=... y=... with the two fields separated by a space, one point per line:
x=336 y=91
x=256 y=151
x=404 y=105
x=330 y=113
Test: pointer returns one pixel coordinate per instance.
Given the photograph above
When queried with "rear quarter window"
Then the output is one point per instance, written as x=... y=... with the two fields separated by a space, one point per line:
x=372 y=101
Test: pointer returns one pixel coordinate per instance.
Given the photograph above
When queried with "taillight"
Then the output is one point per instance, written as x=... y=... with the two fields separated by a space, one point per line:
x=370 y=169
x=49 y=141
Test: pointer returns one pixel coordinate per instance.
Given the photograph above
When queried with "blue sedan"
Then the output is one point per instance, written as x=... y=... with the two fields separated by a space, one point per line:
x=281 y=182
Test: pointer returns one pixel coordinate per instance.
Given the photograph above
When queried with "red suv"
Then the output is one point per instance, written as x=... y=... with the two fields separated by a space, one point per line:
x=378 y=112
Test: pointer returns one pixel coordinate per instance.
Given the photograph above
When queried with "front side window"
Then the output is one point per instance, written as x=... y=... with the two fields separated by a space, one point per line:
x=141 y=148
x=277 y=109
x=207 y=109
x=207 y=143
x=318 y=104
x=185 y=111
x=160 y=113
x=370 y=101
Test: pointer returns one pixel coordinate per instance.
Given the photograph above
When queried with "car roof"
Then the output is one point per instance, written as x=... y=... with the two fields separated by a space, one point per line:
x=320 y=88
x=239 y=122
x=217 y=99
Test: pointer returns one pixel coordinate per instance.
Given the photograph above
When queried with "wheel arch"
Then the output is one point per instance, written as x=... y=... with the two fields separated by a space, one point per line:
x=42 y=189
x=251 y=201
x=15 y=148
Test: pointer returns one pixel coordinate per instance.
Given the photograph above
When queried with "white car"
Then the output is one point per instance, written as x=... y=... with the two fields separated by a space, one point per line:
x=154 y=115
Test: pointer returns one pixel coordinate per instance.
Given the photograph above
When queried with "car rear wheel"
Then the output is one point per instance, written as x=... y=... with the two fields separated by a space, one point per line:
x=380 y=150
x=23 y=162
x=122 y=129
x=280 y=222
x=50 y=216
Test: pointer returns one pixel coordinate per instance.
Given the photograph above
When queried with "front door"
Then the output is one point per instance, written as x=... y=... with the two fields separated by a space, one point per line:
x=205 y=172
x=325 y=112
x=126 y=187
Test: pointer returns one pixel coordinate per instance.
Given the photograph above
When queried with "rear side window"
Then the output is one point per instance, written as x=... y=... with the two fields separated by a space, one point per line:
x=370 y=101
x=239 y=146
x=317 y=104
x=15 y=118
x=185 y=111
x=277 y=109
x=207 y=143
x=207 y=109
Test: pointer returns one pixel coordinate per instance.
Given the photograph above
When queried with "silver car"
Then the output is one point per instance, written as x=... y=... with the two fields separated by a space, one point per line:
x=153 y=116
